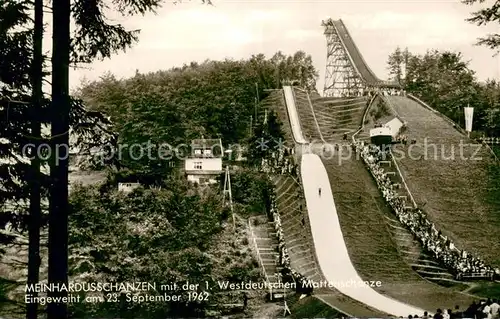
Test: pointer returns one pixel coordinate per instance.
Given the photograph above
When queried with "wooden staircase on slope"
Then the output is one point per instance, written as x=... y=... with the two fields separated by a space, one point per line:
x=266 y=245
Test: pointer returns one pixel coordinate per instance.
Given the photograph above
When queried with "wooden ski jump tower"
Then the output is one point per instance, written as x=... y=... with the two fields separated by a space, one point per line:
x=341 y=77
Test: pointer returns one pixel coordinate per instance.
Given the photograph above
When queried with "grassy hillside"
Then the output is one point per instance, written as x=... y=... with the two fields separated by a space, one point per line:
x=374 y=252
x=311 y=307
x=460 y=193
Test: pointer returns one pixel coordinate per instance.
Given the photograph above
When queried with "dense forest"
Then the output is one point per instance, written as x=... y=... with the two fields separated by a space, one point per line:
x=163 y=235
x=173 y=233
x=214 y=99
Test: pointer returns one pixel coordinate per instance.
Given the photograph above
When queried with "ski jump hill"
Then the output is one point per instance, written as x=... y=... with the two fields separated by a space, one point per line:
x=354 y=242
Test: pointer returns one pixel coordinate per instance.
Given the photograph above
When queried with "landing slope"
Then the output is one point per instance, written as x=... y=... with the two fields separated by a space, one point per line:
x=299 y=241
x=330 y=245
x=456 y=190
x=363 y=216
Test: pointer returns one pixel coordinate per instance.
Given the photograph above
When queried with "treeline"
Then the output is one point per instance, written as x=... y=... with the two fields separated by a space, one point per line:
x=214 y=99
x=445 y=81
x=174 y=233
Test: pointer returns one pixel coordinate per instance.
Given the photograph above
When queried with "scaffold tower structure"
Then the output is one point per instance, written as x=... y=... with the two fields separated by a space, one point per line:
x=341 y=77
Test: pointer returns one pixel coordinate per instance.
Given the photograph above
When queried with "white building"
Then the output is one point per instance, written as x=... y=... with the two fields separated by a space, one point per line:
x=204 y=164
x=384 y=134
x=395 y=125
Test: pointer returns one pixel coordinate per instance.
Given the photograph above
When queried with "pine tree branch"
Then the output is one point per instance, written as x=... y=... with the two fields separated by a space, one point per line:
x=19 y=237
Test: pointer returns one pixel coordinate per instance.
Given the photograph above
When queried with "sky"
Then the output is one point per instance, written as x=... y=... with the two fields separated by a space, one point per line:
x=190 y=31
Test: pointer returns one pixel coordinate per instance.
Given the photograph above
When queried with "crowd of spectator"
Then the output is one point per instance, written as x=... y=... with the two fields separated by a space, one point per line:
x=489 y=309
x=371 y=92
x=484 y=309
x=461 y=263
x=403 y=139
x=281 y=162
x=392 y=92
x=284 y=258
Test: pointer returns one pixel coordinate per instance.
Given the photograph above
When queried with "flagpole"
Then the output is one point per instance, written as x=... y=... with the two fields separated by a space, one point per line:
x=468 y=132
x=469 y=113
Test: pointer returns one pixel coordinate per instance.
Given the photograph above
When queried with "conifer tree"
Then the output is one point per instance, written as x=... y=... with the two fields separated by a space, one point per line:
x=484 y=16
x=94 y=38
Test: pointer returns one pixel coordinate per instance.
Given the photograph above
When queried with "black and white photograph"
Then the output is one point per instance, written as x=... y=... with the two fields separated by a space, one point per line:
x=249 y=159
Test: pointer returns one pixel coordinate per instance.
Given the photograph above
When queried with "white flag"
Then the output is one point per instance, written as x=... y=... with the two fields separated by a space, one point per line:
x=469 y=111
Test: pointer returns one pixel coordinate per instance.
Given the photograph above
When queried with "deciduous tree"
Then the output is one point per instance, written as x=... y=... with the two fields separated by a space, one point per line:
x=445 y=81
x=395 y=65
